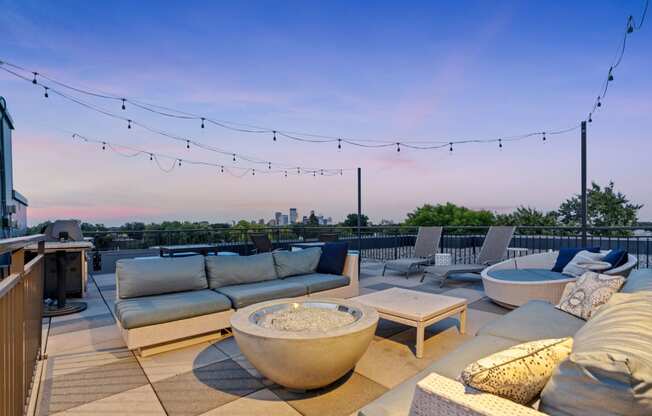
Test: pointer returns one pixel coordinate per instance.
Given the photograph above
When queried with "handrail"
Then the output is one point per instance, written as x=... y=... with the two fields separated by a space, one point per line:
x=16 y=243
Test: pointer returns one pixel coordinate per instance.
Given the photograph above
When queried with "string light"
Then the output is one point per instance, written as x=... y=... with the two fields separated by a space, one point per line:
x=103 y=145
x=179 y=162
x=222 y=169
x=234 y=157
x=450 y=149
x=274 y=136
x=124 y=107
x=500 y=144
x=151 y=156
x=34 y=80
x=128 y=124
x=202 y=122
x=398 y=147
x=45 y=94
x=253 y=172
x=630 y=24
x=544 y=137
x=269 y=166
x=286 y=173
x=598 y=104
x=187 y=144
x=610 y=77
x=339 y=144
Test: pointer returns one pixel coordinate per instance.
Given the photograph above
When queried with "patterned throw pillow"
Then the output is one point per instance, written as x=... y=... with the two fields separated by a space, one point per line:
x=518 y=373
x=588 y=292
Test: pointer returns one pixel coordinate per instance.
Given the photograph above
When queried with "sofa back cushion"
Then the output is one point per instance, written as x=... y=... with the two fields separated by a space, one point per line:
x=333 y=257
x=292 y=263
x=156 y=276
x=609 y=371
x=566 y=255
x=616 y=257
x=234 y=270
x=637 y=281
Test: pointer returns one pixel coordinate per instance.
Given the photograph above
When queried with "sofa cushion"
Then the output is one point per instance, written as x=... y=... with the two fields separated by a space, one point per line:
x=518 y=373
x=609 y=371
x=316 y=282
x=637 y=281
x=234 y=270
x=250 y=293
x=616 y=257
x=150 y=310
x=592 y=290
x=566 y=255
x=535 y=320
x=155 y=276
x=585 y=260
x=333 y=257
x=292 y=263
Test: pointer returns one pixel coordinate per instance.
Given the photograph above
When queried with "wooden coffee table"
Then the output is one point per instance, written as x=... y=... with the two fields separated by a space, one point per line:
x=416 y=309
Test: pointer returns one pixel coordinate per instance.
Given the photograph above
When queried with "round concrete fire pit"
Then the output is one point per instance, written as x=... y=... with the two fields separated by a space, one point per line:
x=304 y=344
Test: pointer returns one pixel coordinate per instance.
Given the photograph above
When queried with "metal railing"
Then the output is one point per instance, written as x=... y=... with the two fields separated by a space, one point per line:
x=388 y=242
x=21 y=307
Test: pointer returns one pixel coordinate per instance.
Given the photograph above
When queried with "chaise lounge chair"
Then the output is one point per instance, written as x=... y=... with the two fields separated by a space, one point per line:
x=494 y=250
x=425 y=248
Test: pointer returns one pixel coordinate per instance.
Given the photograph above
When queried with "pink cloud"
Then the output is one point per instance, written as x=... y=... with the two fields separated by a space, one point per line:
x=91 y=213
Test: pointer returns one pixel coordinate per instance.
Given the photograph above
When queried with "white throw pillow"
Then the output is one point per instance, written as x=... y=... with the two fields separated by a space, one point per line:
x=586 y=261
x=592 y=290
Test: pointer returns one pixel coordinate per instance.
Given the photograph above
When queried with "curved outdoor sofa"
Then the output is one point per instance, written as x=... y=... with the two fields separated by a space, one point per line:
x=534 y=279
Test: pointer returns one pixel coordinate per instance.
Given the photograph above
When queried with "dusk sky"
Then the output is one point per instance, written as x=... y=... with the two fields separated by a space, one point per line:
x=422 y=71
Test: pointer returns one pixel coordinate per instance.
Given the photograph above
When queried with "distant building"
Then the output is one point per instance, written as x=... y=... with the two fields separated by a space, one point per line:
x=304 y=220
x=261 y=222
x=284 y=219
x=277 y=217
x=294 y=216
x=13 y=206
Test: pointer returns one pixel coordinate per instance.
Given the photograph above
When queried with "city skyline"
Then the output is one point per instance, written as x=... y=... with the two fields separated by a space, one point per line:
x=436 y=77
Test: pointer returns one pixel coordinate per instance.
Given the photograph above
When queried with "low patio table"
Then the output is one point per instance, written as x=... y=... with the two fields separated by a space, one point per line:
x=416 y=309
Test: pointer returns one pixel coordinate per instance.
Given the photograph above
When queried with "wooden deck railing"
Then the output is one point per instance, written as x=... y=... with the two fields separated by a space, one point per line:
x=21 y=307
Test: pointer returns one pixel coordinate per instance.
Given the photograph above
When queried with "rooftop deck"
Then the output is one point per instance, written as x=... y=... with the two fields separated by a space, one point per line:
x=89 y=371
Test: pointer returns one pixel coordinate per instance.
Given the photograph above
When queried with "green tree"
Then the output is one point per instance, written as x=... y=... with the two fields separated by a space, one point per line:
x=529 y=217
x=606 y=207
x=449 y=214
x=312 y=220
x=352 y=220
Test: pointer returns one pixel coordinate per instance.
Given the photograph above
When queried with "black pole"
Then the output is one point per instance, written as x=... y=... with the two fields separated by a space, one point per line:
x=359 y=215
x=584 y=197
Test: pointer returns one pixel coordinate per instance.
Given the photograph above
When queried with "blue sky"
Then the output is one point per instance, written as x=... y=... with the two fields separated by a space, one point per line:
x=418 y=70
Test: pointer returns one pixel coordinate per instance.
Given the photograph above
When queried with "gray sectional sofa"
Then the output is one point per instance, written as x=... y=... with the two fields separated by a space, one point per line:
x=609 y=372
x=191 y=299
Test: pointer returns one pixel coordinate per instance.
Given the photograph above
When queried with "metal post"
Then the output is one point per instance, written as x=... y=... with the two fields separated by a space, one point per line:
x=359 y=215
x=584 y=197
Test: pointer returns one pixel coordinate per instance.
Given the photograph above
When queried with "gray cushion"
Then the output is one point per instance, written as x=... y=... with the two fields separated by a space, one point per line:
x=609 y=371
x=155 y=276
x=527 y=275
x=250 y=293
x=535 y=320
x=316 y=282
x=638 y=280
x=397 y=401
x=150 y=310
x=234 y=270
x=292 y=263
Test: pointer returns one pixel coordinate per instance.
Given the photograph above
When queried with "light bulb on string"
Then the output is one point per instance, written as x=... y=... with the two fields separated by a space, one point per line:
x=222 y=169
x=299 y=171
x=202 y=122
x=34 y=80
x=187 y=144
x=398 y=146
x=450 y=148
x=339 y=144
x=253 y=172
x=128 y=124
x=151 y=156
x=630 y=24
x=611 y=76
x=124 y=107
x=45 y=94
x=274 y=135
x=544 y=137
x=590 y=118
x=179 y=162
x=103 y=145
x=322 y=172
x=286 y=173
x=599 y=104
x=314 y=173
x=341 y=173
x=234 y=157
x=269 y=165
x=500 y=144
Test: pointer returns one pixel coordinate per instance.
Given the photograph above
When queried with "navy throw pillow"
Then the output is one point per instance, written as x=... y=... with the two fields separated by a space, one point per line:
x=333 y=256
x=616 y=257
x=566 y=255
